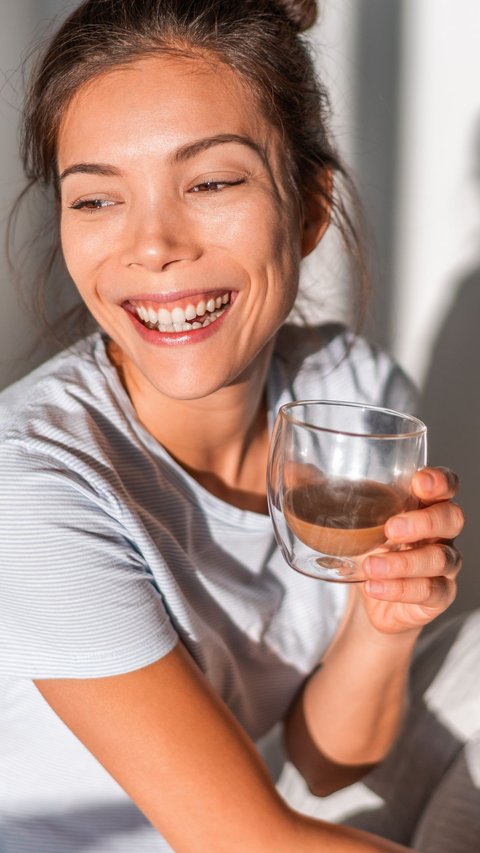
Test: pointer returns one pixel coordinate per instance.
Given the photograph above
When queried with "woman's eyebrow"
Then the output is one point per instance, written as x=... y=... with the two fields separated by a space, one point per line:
x=191 y=149
x=101 y=169
x=185 y=152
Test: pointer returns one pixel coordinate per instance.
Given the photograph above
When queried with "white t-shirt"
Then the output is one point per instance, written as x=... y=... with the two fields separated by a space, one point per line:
x=110 y=552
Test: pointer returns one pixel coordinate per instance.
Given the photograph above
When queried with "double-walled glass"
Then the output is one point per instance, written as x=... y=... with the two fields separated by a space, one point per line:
x=337 y=471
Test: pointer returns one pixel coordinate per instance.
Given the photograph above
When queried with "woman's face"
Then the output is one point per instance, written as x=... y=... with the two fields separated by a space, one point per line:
x=176 y=223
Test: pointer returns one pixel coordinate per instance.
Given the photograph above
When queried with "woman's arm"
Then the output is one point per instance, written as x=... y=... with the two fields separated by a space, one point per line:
x=168 y=740
x=346 y=717
x=349 y=711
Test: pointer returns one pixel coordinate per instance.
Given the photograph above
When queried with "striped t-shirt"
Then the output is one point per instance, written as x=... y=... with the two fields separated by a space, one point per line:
x=110 y=552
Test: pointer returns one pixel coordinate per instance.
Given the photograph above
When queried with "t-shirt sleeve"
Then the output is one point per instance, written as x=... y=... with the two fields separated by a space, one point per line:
x=350 y=368
x=77 y=599
x=376 y=379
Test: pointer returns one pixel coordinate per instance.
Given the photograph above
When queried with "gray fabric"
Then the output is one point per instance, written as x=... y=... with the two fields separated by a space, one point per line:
x=109 y=552
x=450 y=822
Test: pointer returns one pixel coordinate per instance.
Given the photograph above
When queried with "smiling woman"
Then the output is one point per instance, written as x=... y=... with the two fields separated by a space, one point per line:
x=151 y=633
x=177 y=221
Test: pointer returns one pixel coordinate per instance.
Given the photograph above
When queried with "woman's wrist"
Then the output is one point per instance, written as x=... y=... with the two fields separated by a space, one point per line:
x=361 y=629
x=354 y=704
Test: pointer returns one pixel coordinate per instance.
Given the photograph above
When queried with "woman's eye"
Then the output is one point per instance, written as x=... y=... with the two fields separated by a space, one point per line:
x=91 y=204
x=215 y=186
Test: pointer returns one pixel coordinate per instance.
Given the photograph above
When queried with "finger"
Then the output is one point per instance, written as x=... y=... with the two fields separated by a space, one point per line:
x=435 y=484
x=435 y=593
x=427 y=561
x=439 y=521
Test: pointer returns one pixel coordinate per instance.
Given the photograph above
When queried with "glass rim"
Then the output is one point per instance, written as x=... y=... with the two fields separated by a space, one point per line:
x=420 y=427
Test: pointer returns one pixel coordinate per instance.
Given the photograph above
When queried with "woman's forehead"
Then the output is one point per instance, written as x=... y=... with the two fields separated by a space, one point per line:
x=165 y=99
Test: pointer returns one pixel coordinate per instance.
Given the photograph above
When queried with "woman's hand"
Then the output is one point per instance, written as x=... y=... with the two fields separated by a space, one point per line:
x=408 y=588
x=351 y=708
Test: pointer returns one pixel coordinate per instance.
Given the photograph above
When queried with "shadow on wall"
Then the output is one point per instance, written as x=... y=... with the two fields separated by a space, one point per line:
x=451 y=406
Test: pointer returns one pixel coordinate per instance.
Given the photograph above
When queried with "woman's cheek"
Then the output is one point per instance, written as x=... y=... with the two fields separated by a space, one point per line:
x=85 y=249
x=248 y=231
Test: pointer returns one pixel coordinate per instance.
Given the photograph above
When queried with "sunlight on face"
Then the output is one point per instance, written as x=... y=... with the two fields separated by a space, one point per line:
x=176 y=224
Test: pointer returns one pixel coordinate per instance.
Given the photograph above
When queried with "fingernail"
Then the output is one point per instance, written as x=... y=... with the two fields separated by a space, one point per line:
x=452 y=556
x=427 y=482
x=397 y=527
x=377 y=567
x=375 y=587
x=453 y=480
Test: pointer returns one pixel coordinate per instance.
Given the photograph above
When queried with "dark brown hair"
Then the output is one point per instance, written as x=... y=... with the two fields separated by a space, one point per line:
x=259 y=39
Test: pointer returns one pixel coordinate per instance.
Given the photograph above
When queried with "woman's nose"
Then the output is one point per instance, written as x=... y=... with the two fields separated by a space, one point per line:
x=158 y=239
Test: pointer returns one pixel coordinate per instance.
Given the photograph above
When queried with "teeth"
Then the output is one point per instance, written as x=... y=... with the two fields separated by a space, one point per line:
x=164 y=317
x=178 y=316
x=179 y=319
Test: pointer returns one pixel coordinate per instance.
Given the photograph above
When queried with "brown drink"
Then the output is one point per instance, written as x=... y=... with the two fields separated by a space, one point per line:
x=341 y=517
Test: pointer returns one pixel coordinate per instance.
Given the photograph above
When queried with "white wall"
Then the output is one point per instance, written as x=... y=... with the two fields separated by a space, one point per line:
x=437 y=255
x=325 y=276
x=438 y=182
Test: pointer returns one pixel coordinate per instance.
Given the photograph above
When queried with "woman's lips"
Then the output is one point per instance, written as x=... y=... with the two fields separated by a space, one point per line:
x=178 y=330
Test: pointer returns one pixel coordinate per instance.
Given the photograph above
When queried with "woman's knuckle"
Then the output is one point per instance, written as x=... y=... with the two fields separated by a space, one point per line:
x=412 y=590
x=402 y=595
x=427 y=561
x=401 y=562
x=429 y=524
x=459 y=517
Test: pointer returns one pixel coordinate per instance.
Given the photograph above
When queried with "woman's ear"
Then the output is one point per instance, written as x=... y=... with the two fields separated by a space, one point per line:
x=317 y=208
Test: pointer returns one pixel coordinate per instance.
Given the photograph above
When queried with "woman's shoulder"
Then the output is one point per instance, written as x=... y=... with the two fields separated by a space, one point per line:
x=56 y=392
x=330 y=361
x=62 y=411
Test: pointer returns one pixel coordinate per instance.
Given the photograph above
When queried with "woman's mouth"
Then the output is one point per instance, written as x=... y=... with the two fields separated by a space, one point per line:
x=184 y=317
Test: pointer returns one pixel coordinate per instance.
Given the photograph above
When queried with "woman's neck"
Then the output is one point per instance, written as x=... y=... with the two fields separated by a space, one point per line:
x=221 y=440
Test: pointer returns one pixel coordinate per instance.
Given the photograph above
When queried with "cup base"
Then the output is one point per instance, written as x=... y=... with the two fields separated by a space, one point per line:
x=333 y=569
x=343 y=566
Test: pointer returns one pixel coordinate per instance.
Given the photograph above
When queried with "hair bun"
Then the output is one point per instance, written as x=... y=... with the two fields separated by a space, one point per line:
x=301 y=13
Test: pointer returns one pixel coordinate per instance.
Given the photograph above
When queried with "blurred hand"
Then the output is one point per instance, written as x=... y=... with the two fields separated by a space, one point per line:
x=408 y=588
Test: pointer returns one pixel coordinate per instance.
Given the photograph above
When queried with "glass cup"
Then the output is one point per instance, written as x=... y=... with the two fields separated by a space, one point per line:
x=336 y=472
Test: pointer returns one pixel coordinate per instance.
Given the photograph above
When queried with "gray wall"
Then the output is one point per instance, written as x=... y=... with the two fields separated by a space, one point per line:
x=23 y=23
x=17 y=24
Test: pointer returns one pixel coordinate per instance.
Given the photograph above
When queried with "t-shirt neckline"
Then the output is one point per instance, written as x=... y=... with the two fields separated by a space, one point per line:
x=211 y=503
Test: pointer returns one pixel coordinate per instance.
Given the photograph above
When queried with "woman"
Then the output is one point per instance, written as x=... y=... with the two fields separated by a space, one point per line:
x=150 y=629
